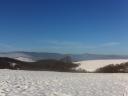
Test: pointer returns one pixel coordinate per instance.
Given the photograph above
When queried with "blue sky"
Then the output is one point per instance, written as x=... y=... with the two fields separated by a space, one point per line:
x=64 y=26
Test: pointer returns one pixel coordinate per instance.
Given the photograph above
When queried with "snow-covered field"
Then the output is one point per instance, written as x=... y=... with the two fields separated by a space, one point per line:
x=92 y=65
x=44 y=83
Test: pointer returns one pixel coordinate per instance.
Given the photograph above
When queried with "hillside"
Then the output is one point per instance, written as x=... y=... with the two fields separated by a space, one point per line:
x=34 y=56
x=51 y=65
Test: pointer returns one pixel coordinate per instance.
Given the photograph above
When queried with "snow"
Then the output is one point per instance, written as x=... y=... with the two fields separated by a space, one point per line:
x=45 y=83
x=92 y=65
x=24 y=59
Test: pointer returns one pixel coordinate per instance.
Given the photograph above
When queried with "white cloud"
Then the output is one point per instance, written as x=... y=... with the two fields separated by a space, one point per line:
x=76 y=45
x=110 y=44
x=8 y=47
x=65 y=44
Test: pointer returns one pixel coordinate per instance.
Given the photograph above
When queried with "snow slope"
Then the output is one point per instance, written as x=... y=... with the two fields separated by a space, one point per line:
x=44 y=83
x=24 y=59
x=92 y=65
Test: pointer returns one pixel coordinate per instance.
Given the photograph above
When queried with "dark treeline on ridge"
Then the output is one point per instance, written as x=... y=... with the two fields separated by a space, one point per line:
x=53 y=65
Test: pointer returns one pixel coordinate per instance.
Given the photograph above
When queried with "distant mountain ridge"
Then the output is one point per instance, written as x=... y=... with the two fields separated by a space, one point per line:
x=87 y=56
x=32 y=55
x=57 y=56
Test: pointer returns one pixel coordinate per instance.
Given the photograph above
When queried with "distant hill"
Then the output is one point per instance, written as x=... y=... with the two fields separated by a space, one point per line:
x=118 y=68
x=41 y=65
x=34 y=56
x=58 y=65
x=9 y=63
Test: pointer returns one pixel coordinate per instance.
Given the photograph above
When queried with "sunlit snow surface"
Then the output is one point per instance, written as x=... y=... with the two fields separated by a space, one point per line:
x=44 y=83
